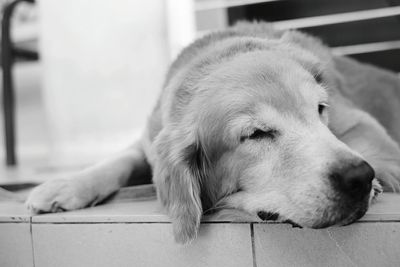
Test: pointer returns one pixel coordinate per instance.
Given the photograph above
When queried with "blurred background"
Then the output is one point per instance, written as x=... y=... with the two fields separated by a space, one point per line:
x=84 y=75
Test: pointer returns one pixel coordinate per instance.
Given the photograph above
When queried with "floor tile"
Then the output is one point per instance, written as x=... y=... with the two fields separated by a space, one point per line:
x=139 y=245
x=15 y=245
x=359 y=244
x=12 y=211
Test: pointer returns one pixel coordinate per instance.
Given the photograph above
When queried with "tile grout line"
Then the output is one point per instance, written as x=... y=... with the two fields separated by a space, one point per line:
x=253 y=247
x=31 y=232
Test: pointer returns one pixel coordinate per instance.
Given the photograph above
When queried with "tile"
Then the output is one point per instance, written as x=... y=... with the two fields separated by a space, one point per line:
x=15 y=245
x=12 y=211
x=132 y=211
x=125 y=209
x=137 y=192
x=129 y=204
x=359 y=244
x=139 y=244
x=385 y=208
x=128 y=211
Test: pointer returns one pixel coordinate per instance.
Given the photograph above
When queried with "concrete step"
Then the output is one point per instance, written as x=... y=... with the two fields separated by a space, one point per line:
x=130 y=232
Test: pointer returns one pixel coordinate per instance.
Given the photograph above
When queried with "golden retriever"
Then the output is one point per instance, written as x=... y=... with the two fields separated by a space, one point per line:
x=264 y=122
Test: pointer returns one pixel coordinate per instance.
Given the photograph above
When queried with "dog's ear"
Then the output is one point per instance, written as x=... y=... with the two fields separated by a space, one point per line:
x=178 y=174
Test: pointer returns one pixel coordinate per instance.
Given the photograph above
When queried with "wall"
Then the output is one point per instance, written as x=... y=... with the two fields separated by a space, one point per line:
x=103 y=66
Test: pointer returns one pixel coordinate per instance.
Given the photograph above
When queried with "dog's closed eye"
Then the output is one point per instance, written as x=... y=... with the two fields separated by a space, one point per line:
x=318 y=77
x=259 y=134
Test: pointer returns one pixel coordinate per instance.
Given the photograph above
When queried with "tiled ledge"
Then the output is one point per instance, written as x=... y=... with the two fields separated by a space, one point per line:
x=139 y=234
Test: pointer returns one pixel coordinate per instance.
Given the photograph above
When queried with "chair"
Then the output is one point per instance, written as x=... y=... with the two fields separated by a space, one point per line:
x=9 y=54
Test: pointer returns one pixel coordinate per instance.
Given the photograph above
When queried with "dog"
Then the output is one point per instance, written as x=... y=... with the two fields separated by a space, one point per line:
x=260 y=122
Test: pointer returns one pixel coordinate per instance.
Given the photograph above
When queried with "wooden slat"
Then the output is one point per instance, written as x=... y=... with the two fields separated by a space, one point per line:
x=366 y=48
x=310 y=22
x=214 y=4
x=338 y=18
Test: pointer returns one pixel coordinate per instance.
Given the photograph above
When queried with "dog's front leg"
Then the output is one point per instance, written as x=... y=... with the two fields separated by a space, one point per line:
x=90 y=186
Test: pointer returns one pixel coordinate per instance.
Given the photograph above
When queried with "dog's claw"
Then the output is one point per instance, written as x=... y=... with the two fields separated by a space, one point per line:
x=376 y=190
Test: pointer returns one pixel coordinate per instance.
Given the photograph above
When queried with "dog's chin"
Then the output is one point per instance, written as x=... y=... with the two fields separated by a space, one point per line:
x=354 y=216
x=341 y=218
x=332 y=217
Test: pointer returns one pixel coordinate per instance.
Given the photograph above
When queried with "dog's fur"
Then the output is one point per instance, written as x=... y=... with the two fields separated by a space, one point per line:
x=243 y=124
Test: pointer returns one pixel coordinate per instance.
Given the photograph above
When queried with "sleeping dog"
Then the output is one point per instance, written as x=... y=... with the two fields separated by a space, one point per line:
x=259 y=122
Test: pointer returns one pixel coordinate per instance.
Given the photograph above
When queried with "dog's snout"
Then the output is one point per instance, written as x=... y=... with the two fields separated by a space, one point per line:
x=355 y=180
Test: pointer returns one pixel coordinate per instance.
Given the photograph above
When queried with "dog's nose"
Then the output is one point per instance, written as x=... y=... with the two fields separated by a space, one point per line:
x=355 y=180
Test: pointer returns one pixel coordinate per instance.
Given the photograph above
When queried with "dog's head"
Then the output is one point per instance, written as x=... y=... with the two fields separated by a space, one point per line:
x=254 y=136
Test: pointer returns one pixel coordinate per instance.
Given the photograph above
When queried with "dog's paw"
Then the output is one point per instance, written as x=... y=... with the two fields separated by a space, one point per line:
x=389 y=177
x=58 y=195
x=376 y=190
